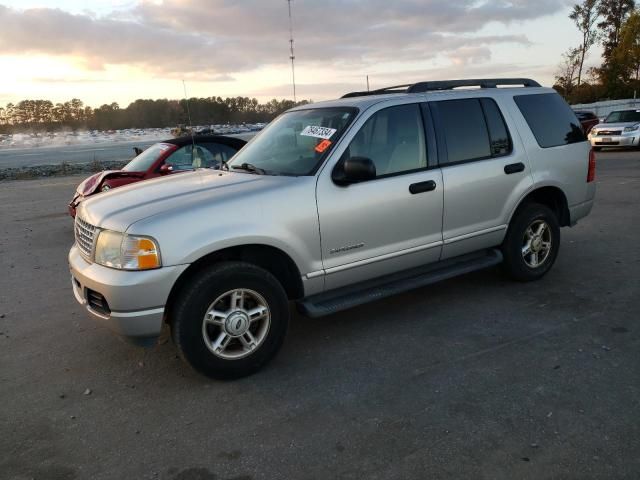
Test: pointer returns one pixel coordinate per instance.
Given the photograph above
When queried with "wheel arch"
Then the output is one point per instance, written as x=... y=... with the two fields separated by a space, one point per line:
x=551 y=196
x=272 y=259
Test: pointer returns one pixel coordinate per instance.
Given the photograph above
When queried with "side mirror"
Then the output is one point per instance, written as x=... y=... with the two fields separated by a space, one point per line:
x=137 y=150
x=354 y=170
x=164 y=169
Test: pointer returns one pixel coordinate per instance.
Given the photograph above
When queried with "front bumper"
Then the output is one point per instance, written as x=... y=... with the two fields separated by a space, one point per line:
x=615 y=141
x=131 y=304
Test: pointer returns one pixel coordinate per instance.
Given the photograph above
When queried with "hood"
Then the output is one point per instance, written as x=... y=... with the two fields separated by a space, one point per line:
x=615 y=126
x=120 y=207
x=91 y=184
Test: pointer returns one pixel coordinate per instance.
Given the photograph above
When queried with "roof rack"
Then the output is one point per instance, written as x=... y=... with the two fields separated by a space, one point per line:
x=447 y=85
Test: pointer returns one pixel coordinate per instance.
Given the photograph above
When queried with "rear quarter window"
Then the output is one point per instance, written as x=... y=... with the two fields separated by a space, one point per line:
x=551 y=120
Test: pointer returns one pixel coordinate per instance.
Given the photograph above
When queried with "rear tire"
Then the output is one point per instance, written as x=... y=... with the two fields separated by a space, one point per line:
x=230 y=320
x=532 y=242
x=597 y=149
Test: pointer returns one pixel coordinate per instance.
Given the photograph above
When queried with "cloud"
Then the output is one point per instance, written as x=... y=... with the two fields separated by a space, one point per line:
x=209 y=40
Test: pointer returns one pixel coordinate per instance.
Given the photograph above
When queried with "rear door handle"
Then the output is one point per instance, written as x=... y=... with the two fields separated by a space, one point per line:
x=427 y=186
x=514 y=168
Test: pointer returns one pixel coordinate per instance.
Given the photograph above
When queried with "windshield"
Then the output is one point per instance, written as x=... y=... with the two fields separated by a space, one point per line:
x=623 y=116
x=295 y=143
x=147 y=158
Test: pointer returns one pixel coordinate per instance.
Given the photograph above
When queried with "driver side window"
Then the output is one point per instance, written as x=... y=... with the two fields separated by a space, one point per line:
x=393 y=139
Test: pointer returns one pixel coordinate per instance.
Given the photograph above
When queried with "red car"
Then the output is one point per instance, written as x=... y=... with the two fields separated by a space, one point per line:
x=171 y=156
x=587 y=119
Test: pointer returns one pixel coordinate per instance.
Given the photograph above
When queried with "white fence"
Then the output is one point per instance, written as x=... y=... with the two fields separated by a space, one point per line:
x=602 y=109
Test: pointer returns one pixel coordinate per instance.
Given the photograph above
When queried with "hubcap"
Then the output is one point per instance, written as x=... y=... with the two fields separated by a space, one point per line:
x=536 y=245
x=236 y=324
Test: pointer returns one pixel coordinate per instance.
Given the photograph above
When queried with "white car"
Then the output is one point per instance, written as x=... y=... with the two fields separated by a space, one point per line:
x=620 y=129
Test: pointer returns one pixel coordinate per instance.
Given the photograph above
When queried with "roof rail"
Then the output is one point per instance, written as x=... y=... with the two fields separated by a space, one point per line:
x=447 y=85
x=380 y=91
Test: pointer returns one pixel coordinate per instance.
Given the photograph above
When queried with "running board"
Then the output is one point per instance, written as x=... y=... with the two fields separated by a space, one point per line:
x=340 y=299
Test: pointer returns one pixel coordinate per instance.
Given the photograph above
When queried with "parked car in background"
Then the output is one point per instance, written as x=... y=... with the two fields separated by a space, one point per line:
x=588 y=120
x=620 y=129
x=170 y=156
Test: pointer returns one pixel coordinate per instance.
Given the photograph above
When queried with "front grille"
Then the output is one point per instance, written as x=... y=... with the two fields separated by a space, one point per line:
x=97 y=302
x=602 y=133
x=84 y=233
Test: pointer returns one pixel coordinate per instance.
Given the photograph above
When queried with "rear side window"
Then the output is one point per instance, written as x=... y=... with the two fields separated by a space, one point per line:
x=498 y=134
x=473 y=129
x=551 y=120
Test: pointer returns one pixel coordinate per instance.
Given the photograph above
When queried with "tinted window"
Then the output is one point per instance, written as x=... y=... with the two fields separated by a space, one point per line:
x=393 y=139
x=498 y=133
x=551 y=120
x=465 y=129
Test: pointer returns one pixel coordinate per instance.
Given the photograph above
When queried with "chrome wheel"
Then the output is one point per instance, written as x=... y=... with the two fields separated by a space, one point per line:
x=236 y=324
x=536 y=245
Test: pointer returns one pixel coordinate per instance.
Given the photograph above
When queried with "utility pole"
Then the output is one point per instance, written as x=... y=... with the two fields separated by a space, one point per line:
x=292 y=56
x=367 y=83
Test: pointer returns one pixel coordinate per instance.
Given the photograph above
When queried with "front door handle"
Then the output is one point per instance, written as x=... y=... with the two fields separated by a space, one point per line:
x=427 y=186
x=514 y=168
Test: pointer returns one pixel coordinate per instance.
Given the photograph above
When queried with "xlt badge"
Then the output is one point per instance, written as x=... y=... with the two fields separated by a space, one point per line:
x=347 y=248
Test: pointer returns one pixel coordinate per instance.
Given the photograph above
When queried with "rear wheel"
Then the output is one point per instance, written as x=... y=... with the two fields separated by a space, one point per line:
x=230 y=320
x=532 y=242
x=597 y=149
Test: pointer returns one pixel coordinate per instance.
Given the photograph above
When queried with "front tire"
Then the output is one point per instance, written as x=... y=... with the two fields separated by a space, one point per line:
x=230 y=320
x=532 y=242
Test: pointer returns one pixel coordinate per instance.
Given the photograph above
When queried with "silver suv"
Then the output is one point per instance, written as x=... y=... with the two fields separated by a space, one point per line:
x=333 y=205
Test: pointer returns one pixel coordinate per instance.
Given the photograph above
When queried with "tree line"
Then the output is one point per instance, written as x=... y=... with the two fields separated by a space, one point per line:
x=615 y=25
x=44 y=115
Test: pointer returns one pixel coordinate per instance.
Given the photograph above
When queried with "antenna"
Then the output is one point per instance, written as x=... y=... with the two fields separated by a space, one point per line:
x=193 y=141
x=292 y=56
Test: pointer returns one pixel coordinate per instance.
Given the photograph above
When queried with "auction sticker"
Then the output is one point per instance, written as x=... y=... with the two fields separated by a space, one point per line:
x=318 y=132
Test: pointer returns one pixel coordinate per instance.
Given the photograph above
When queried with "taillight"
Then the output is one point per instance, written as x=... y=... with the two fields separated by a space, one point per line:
x=591 y=174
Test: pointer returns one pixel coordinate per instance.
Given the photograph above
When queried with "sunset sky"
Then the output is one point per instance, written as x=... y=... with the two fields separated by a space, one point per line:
x=102 y=51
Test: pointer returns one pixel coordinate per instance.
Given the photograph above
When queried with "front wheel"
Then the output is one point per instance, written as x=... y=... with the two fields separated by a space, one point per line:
x=532 y=242
x=230 y=320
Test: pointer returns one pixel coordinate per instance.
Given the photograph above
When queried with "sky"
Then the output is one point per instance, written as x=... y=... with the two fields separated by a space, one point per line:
x=105 y=51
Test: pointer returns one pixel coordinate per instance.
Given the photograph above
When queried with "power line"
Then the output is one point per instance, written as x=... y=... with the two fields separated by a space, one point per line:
x=292 y=56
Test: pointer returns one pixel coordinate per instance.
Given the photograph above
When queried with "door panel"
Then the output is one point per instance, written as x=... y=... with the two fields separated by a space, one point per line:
x=377 y=227
x=479 y=197
x=488 y=174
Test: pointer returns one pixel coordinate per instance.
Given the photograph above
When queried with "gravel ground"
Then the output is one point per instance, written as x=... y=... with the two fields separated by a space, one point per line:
x=476 y=377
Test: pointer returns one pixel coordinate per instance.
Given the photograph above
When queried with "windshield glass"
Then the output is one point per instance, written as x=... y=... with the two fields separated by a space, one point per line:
x=296 y=142
x=143 y=161
x=623 y=116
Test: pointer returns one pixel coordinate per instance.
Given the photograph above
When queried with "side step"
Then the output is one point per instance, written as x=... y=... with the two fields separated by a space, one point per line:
x=334 y=301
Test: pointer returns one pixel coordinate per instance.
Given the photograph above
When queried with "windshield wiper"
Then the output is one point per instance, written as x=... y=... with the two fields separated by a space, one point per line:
x=248 y=167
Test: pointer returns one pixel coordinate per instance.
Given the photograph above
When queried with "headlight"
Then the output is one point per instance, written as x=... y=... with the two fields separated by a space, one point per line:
x=126 y=252
x=632 y=129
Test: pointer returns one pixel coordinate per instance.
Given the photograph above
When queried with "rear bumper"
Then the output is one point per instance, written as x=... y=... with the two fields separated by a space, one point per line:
x=580 y=210
x=131 y=304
